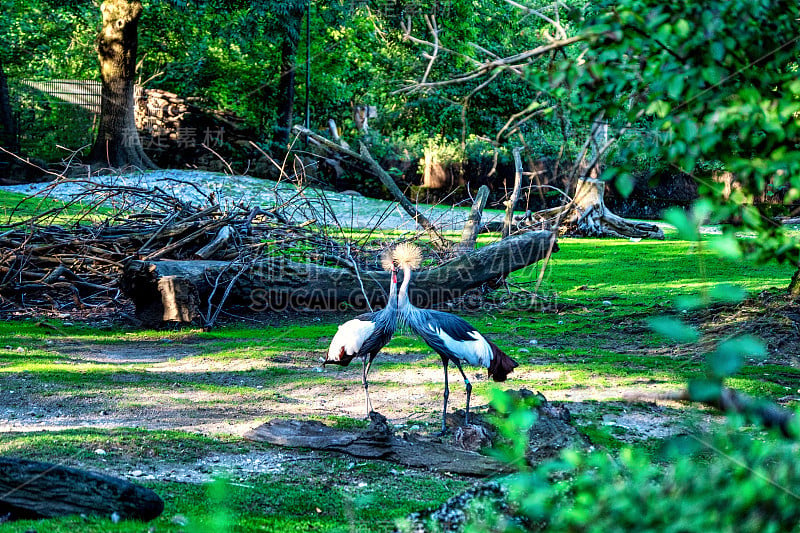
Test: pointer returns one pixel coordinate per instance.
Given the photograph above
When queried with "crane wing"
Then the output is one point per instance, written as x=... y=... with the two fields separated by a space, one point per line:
x=348 y=341
x=454 y=337
x=456 y=327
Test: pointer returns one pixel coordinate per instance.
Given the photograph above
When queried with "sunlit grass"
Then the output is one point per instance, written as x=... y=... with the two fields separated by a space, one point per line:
x=18 y=207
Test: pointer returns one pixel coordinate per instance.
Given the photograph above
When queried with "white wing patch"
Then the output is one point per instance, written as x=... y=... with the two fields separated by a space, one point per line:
x=476 y=352
x=351 y=335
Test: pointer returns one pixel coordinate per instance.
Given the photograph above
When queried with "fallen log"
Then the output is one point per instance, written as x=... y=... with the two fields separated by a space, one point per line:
x=31 y=490
x=170 y=291
x=377 y=442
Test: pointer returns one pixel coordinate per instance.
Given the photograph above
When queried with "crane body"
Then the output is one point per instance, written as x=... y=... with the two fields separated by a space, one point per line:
x=365 y=336
x=452 y=337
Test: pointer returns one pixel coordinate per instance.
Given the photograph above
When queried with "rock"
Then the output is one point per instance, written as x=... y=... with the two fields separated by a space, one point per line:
x=472 y=438
x=478 y=501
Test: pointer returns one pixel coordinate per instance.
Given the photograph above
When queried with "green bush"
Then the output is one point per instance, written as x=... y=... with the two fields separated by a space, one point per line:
x=730 y=482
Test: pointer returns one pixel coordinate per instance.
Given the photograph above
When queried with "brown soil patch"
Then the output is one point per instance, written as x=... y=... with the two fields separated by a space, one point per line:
x=772 y=316
x=136 y=352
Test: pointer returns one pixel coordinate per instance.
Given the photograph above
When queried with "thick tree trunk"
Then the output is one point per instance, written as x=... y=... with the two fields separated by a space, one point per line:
x=286 y=89
x=178 y=291
x=30 y=489
x=117 y=144
x=8 y=128
x=588 y=215
x=794 y=285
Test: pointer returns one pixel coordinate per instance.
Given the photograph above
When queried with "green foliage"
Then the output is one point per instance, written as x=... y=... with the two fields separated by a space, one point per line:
x=229 y=54
x=49 y=39
x=726 y=482
x=703 y=84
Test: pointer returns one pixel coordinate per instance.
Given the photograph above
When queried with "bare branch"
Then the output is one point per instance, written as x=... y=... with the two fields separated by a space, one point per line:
x=430 y=21
x=512 y=62
x=554 y=21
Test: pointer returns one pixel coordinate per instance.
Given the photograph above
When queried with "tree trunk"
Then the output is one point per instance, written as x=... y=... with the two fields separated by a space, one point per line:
x=178 y=291
x=286 y=89
x=117 y=144
x=794 y=285
x=588 y=215
x=31 y=490
x=8 y=128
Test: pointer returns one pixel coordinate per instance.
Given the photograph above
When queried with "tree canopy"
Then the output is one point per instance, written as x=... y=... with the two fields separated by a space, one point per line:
x=706 y=89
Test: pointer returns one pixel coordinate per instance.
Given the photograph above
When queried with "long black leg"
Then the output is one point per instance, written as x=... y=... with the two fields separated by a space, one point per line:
x=365 y=370
x=445 y=361
x=468 y=385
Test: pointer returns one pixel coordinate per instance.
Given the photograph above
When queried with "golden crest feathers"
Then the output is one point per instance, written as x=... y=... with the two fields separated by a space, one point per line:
x=387 y=259
x=407 y=254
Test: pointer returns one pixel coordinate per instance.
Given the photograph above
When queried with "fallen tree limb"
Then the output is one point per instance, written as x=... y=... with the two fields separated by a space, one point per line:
x=30 y=489
x=377 y=442
x=469 y=234
x=404 y=202
x=512 y=200
x=366 y=159
x=728 y=400
x=220 y=240
x=174 y=290
x=551 y=434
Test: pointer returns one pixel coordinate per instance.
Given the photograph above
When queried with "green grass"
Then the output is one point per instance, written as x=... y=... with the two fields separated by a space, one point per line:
x=18 y=207
x=329 y=493
x=587 y=330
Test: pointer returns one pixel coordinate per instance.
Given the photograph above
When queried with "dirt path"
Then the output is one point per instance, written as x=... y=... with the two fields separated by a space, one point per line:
x=170 y=385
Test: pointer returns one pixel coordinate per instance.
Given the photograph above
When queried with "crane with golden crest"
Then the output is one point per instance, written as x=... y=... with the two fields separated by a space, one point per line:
x=452 y=337
x=365 y=335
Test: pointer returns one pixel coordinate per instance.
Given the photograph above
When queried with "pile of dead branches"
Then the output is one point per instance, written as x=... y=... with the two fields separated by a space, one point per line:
x=71 y=257
x=185 y=259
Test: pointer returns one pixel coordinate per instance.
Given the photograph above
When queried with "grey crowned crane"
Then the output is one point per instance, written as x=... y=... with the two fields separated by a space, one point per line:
x=366 y=334
x=452 y=337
